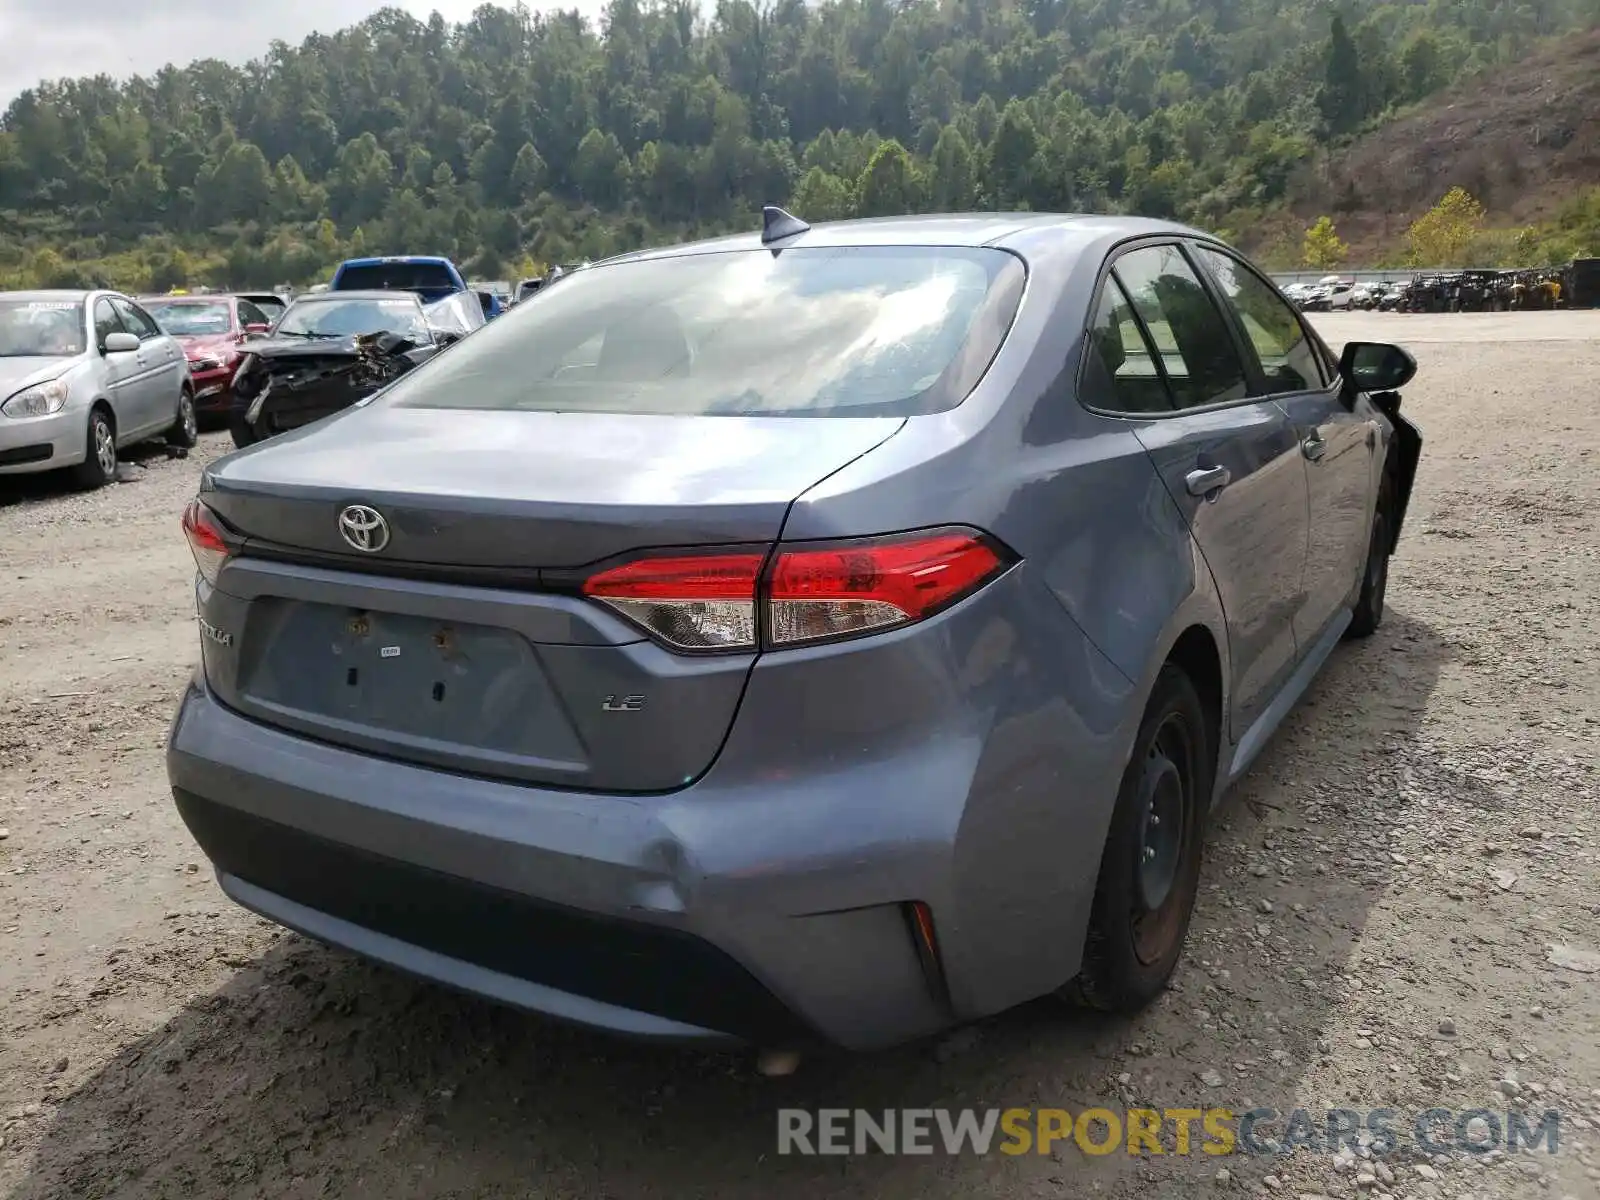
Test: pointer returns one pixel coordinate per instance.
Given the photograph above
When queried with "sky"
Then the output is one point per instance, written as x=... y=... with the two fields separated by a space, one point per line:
x=47 y=39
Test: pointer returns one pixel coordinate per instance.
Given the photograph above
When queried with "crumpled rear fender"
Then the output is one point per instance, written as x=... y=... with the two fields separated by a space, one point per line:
x=1405 y=452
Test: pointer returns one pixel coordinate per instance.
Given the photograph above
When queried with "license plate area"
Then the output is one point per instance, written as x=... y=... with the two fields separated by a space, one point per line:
x=449 y=692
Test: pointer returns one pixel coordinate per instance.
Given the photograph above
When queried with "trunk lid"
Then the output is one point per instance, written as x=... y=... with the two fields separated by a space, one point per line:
x=530 y=490
x=445 y=648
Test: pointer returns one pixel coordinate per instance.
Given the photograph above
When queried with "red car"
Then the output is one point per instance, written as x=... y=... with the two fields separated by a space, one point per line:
x=210 y=329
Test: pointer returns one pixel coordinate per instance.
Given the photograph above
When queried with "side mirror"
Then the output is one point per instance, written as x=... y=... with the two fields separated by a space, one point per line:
x=1376 y=366
x=119 y=343
x=257 y=328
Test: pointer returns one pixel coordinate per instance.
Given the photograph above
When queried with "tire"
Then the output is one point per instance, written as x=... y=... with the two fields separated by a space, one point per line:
x=185 y=431
x=1368 y=613
x=1150 y=872
x=99 y=465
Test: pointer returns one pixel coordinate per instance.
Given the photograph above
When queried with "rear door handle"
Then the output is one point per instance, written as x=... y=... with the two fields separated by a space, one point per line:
x=1314 y=448
x=1207 y=482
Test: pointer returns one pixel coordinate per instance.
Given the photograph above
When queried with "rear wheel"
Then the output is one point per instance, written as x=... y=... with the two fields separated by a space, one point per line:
x=99 y=465
x=1150 y=868
x=185 y=431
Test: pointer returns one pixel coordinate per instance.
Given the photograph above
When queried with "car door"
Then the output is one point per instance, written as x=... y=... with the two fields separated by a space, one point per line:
x=161 y=367
x=1230 y=462
x=121 y=370
x=1337 y=444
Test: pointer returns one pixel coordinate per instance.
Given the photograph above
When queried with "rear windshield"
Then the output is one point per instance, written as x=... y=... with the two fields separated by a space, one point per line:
x=190 y=318
x=853 y=331
x=41 y=328
x=399 y=276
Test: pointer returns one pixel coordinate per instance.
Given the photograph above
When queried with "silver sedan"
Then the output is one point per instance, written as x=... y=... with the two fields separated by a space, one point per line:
x=83 y=374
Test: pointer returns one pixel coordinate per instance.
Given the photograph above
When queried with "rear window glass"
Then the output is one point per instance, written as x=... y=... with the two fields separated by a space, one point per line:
x=852 y=331
x=189 y=318
x=396 y=277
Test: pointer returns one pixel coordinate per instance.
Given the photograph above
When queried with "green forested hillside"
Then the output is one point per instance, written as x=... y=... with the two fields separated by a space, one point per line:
x=519 y=136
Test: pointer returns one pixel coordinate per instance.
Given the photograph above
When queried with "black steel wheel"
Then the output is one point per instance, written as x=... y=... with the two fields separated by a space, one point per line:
x=1150 y=868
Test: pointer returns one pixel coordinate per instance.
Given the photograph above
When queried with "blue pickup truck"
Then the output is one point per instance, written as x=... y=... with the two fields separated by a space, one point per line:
x=429 y=276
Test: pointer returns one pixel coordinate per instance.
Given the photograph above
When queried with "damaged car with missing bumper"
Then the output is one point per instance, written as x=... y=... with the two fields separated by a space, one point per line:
x=826 y=634
x=333 y=349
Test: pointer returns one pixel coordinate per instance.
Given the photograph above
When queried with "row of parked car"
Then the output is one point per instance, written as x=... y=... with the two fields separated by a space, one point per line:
x=85 y=374
x=1575 y=285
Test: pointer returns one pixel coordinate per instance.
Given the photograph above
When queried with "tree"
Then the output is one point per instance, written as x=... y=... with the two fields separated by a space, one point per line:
x=1339 y=101
x=890 y=185
x=1441 y=236
x=1012 y=155
x=600 y=168
x=237 y=187
x=361 y=180
x=1323 y=249
x=952 y=176
x=527 y=173
x=822 y=196
x=1421 y=64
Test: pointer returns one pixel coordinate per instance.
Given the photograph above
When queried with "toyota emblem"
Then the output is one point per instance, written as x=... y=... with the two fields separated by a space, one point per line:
x=364 y=528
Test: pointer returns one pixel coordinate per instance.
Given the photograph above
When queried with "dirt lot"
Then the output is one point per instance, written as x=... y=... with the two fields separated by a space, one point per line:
x=1382 y=897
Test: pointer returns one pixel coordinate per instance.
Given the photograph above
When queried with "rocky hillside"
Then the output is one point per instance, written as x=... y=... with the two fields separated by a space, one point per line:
x=1523 y=140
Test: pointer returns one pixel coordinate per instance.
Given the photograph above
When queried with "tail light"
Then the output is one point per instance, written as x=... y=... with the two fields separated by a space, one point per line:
x=810 y=593
x=691 y=602
x=207 y=541
x=858 y=587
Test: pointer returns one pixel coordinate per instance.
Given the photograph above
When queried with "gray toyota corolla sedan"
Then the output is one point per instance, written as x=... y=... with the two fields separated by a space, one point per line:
x=823 y=634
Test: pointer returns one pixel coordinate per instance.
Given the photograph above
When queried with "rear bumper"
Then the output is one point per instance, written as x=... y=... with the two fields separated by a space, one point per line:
x=213 y=391
x=485 y=939
x=969 y=764
x=582 y=907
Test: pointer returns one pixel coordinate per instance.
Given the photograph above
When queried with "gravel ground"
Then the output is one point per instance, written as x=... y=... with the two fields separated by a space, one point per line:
x=1399 y=909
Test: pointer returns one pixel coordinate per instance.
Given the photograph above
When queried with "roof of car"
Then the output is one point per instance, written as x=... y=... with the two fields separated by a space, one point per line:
x=935 y=229
x=379 y=260
x=363 y=294
x=78 y=294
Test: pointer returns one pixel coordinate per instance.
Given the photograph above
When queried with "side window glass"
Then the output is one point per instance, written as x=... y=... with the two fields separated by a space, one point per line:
x=137 y=320
x=105 y=321
x=249 y=314
x=1120 y=374
x=1187 y=328
x=1288 y=359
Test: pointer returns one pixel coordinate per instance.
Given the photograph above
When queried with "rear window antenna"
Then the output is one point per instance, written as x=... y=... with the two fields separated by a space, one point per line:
x=777 y=224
